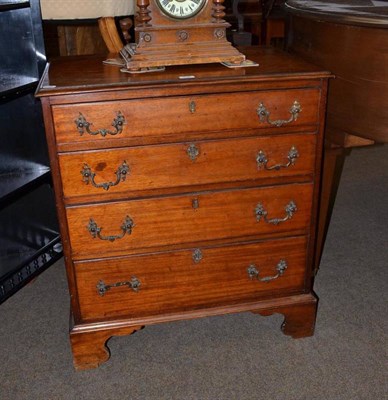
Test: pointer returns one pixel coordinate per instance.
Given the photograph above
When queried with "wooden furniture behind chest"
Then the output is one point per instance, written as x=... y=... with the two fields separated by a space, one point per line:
x=357 y=105
x=184 y=194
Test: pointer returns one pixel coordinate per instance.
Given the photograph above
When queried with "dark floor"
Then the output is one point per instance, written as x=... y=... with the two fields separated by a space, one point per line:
x=241 y=356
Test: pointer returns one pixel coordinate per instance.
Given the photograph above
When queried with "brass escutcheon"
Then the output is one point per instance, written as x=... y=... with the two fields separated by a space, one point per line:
x=197 y=256
x=192 y=152
x=192 y=106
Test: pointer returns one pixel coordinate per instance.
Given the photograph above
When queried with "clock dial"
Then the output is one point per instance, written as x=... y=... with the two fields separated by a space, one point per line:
x=180 y=9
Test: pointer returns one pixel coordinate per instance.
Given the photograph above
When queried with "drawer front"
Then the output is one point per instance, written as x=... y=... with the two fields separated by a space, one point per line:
x=103 y=121
x=134 y=226
x=176 y=281
x=129 y=170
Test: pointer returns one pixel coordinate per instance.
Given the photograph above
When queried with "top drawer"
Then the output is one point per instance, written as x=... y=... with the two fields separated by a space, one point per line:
x=97 y=124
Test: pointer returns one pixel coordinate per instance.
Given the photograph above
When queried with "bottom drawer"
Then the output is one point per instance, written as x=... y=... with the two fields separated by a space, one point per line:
x=161 y=283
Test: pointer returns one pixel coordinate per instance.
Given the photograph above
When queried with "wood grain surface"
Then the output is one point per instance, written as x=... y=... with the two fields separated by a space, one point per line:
x=151 y=168
x=173 y=281
x=153 y=117
x=168 y=221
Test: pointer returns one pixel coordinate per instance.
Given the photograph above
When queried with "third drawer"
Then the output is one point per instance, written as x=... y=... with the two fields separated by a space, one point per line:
x=120 y=228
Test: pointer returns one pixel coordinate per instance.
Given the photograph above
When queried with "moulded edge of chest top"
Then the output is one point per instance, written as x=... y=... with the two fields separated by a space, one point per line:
x=97 y=94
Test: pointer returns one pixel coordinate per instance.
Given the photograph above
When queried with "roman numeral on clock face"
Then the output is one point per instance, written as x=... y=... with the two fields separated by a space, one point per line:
x=181 y=8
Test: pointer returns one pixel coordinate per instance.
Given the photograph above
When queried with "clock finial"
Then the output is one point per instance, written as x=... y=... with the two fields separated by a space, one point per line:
x=218 y=10
x=143 y=17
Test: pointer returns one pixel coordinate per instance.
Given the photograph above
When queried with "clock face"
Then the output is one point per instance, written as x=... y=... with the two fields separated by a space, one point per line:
x=180 y=9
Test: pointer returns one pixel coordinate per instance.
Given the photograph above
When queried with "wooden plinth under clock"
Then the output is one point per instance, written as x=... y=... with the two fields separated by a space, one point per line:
x=185 y=199
x=194 y=54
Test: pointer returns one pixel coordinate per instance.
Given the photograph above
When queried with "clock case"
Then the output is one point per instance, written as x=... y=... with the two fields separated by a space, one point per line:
x=162 y=40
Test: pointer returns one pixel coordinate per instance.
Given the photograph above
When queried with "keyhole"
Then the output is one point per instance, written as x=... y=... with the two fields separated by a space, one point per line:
x=195 y=203
x=192 y=106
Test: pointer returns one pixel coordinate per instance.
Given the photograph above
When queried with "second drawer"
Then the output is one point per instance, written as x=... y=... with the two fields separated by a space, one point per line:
x=123 y=172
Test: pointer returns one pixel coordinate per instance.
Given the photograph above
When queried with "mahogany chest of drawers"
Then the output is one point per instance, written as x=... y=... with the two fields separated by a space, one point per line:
x=186 y=193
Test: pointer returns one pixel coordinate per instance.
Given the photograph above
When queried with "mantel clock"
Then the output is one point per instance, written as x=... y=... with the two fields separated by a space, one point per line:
x=174 y=32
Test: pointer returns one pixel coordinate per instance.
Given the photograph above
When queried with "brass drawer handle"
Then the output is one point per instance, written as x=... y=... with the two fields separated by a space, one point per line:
x=253 y=272
x=88 y=176
x=95 y=230
x=83 y=125
x=262 y=160
x=262 y=213
x=133 y=284
x=264 y=114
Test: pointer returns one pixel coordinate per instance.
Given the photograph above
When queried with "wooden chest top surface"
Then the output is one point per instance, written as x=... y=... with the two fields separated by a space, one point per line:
x=68 y=75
